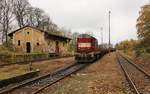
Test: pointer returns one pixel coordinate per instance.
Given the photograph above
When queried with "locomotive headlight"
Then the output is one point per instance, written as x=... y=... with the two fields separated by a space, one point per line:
x=92 y=54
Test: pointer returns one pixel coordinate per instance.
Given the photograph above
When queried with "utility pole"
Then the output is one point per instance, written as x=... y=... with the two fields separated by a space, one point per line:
x=109 y=31
x=102 y=36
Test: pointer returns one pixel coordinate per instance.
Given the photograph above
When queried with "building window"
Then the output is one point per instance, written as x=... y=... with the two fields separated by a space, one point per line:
x=63 y=43
x=18 y=42
x=27 y=32
x=37 y=44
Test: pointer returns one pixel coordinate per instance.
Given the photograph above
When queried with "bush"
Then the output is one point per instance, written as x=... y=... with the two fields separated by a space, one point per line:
x=142 y=50
x=148 y=50
x=139 y=51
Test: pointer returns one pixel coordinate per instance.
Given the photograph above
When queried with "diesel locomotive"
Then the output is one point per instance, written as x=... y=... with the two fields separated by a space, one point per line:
x=87 y=49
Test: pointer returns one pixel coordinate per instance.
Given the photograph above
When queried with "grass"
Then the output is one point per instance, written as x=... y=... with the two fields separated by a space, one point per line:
x=8 y=72
x=145 y=55
x=43 y=66
x=9 y=50
x=132 y=54
x=5 y=50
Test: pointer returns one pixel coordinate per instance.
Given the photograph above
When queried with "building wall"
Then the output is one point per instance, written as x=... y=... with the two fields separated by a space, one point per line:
x=64 y=48
x=38 y=41
x=33 y=36
x=51 y=46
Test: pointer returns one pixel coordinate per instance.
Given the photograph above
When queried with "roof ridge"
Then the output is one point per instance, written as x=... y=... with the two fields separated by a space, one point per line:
x=10 y=34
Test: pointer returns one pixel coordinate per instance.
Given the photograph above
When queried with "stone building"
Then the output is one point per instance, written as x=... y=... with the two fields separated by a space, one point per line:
x=31 y=40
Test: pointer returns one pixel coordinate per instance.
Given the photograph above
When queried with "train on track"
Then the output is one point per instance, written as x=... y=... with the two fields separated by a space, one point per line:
x=88 y=50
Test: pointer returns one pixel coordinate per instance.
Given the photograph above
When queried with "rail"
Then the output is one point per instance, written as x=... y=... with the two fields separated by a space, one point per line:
x=126 y=66
x=44 y=81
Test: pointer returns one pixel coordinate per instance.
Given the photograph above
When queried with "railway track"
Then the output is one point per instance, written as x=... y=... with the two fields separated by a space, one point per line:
x=36 y=85
x=137 y=78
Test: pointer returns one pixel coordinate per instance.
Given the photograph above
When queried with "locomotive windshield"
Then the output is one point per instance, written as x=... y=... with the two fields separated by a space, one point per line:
x=82 y=45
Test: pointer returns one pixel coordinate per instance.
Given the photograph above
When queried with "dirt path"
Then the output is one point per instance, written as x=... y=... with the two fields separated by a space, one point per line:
x=102 y=77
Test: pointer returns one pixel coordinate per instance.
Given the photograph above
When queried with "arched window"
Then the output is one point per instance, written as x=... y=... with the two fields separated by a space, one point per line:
x=18 y=42
x=37 y=44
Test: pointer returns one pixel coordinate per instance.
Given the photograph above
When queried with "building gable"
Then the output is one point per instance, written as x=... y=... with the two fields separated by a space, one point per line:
x=59 y=37
x=24 y=28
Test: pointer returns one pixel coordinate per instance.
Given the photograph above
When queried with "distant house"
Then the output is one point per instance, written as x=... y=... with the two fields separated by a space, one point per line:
x=30 y=39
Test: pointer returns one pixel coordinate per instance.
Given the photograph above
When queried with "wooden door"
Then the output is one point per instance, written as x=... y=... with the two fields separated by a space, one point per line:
x=28 y=47
x=57 y=47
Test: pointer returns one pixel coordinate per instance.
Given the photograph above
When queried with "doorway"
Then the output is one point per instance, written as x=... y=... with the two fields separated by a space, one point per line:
x=28 y=47
x=57 y=47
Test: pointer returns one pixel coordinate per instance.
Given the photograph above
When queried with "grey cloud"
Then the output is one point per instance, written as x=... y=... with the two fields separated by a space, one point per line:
x=90 y=15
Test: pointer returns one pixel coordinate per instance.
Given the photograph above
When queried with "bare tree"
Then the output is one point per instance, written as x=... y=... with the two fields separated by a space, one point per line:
x=6 y=18
x=20 y=11
x=53 y=27
x=30 y=17
x=38 y=16
x=1 y=20
x=48 y=25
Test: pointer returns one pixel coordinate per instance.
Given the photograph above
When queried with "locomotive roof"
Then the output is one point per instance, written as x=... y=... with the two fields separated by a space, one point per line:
x=85 y=36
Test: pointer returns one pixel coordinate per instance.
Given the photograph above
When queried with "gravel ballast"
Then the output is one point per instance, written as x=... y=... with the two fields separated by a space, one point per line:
x=101 y=77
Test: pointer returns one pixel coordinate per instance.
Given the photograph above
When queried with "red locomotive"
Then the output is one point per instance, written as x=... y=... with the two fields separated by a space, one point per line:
x=87 y=49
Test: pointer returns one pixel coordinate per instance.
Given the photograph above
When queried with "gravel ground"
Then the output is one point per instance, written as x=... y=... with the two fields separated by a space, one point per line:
x=43 y=66
x=139 y=79
x=143 y=61
x=101 y=77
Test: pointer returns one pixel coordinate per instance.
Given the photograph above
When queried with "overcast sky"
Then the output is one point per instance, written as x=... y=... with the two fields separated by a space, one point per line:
x=90 y=15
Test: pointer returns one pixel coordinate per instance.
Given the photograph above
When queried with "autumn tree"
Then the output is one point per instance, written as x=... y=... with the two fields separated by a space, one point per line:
x=143 y=27
x=127 y=45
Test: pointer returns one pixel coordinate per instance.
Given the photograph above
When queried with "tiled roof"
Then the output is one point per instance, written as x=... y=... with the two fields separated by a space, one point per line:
x=50 y=34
